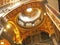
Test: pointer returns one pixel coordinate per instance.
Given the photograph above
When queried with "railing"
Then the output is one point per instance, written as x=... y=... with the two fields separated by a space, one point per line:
x=11 y=7
x=53 y=16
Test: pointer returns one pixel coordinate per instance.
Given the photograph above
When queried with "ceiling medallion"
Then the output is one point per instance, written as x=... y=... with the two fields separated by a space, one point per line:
x=30 y=17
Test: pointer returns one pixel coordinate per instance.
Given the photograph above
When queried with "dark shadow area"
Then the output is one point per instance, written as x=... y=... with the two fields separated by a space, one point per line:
x=59 y=4
x=38 y=39
x=44 y=35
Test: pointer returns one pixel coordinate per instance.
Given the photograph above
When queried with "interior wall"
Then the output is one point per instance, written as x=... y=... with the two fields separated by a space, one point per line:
x=53 y=4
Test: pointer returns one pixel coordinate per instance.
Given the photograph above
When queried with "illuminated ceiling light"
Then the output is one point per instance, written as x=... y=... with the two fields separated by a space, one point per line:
x=8 y=26
x=2 y=43
x=29 y=9
x=33 y=25
x=44 y=13
x=4 y=30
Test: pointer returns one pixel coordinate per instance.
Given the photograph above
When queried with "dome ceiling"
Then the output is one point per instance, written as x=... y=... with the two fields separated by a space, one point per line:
x=31 y=15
